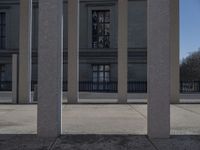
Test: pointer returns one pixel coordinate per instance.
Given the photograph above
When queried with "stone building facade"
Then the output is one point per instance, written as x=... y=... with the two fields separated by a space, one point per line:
x=152 y=23
x=98 y=39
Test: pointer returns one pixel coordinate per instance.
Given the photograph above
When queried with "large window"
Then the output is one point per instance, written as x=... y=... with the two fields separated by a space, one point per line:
x=2 y=72
x=101 y=73
x=2 y=30
x=101 y=76
x=100 y=29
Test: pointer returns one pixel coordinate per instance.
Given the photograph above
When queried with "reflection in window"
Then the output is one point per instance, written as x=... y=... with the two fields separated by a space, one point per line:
x=2 y=30
x=100 y=29
x=2 y=72
x=101 y=76
x=101 y=73
x=2 y=77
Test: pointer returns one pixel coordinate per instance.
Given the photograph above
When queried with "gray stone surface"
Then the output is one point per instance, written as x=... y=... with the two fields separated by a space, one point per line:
x=99 y=119
x=174 y=51
x=137 y=20
x=25 y=55
x=159 y=69
x=102 y=119
x=50 y=67
x=122 y=50
x=25 y=142
x=178 y=143
x=183 y=118
x=73 y=51
x=18 y=119
x=137 y=23
x=98 y=142
x=103 y=142
x=14 y=77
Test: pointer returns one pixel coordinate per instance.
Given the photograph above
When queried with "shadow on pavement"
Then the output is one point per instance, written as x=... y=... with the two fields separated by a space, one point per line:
x=98 y=142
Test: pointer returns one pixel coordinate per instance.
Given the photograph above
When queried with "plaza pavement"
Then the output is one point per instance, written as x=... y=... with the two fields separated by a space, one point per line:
x=92 y=127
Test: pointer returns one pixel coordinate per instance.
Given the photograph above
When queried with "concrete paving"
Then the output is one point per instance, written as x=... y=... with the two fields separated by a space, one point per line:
x=100 y=119
x=96 y=127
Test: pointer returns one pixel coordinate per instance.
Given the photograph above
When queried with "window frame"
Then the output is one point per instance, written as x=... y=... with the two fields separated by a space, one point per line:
x=2 y=70
x=98 y=71
x=102 y=25
x=4 y=25
x=111 y=8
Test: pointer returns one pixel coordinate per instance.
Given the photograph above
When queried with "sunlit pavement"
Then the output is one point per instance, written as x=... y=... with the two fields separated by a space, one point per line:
x=100 y=119
x=85 y=123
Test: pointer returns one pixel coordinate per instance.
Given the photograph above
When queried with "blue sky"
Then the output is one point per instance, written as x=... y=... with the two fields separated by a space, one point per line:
x=189 y=27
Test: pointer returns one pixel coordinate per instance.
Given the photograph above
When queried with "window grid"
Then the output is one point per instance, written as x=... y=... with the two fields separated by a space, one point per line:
x=2 y=30
x=101 y=73
x=2 y=72
x=100 y=29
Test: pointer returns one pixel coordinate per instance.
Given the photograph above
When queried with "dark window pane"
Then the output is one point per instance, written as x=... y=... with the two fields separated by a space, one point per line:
x=101 y=67
x=2 y=76
x=107 y=29
x=95 y=38
x=94 y=44
x=101 y=42
x=94 y=16
x=2 y=30
x=107 y=75
x=100 y=28
x=107 y=79
x=100 y=86
x=101 y=16
x=107 y=16
x=107 y=68
x=107 y=41
x=94 y=29
x=101 y=74
x=95 y=76
x=95 y=68
x=2 y=72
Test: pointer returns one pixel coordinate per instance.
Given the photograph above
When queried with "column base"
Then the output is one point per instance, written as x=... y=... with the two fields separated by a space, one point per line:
x=122 y=99
x=72 y=100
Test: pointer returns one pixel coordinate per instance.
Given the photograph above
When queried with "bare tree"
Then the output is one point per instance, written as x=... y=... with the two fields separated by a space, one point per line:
x=190 y=67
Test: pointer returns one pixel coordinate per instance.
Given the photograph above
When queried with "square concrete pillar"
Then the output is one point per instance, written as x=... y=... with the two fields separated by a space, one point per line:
x=122 y=50
x=160 y=61
x=175 y=67
x=73 y=51
x=50 y=67
x=14 y=77
x=24 y=89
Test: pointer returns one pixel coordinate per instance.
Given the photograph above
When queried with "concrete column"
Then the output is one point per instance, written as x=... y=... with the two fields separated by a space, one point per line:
x=122 y=50
x=14 y=77
x=175 y=68
x=50 y=68
x=73 y=51
x=24 y=95
x=160 y=24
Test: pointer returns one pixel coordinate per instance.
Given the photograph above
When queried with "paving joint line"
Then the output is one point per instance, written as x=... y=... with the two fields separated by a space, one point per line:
x=152 y=143
x=187 y=109
x=137 y=112
x=52 y=144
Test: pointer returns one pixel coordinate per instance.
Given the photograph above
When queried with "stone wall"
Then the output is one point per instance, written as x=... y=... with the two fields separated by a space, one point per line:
x=137 y=38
